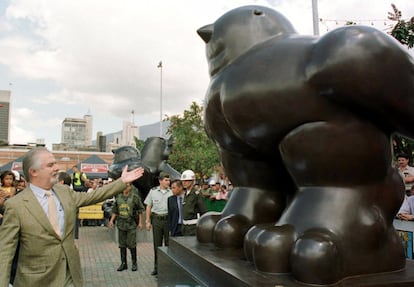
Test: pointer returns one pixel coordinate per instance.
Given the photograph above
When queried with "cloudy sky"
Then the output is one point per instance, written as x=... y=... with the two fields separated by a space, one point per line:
x=65 y=58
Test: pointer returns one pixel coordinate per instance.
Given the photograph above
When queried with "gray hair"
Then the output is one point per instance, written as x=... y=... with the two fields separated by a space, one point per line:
x=31 y=161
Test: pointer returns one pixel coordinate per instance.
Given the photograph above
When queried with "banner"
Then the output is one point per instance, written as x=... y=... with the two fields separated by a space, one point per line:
x=94 y=167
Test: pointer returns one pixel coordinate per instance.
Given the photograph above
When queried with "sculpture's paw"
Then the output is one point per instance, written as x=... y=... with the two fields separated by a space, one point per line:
x=225 y=232
x=315 y=258
x=205 y=226
x=322 y=258
x=229 y=231
x=250 y=239
x=269 y=247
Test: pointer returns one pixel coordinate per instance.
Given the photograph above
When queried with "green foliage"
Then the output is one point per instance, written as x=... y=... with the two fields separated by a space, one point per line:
x=138 y=144
x=403 y=31
x=192 y=148
x=402 y=144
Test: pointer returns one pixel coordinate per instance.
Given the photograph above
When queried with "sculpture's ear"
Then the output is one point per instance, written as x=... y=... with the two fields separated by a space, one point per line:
x=206 y=32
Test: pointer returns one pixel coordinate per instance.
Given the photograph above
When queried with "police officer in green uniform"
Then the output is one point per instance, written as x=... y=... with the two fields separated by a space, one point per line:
x=193 y=204
x=127 y=209
x=156 y=214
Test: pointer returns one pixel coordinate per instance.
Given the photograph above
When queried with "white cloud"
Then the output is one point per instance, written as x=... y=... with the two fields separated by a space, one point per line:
x=102 y=55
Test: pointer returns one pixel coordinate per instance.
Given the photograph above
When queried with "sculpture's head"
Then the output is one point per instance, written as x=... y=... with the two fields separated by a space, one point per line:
x=125 y=155
x=238 y=30
x=155 y=151
x=153 y=159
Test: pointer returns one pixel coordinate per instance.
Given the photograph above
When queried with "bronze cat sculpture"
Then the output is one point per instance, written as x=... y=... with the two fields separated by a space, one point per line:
x=303 y=125
x=153 y=158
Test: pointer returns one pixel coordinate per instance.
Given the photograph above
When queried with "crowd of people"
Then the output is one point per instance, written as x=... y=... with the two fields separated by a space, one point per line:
x=406 y=172
x=172 y=208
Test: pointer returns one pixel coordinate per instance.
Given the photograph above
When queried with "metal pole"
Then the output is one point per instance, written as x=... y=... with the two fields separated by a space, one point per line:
x=160 y=66
x=315 y=17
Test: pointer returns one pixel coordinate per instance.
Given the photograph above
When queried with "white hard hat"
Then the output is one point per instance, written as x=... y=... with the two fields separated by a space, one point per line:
x=188 y=175
x=212 y=182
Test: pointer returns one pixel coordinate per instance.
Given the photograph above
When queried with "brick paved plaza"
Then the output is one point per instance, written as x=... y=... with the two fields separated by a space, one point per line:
x=100 y=258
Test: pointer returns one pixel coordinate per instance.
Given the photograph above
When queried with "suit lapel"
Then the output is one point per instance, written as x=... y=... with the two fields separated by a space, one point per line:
x=33 y=207
x=63 y=194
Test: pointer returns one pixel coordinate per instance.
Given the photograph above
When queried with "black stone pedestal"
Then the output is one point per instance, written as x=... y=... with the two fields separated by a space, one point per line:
x=187 y=263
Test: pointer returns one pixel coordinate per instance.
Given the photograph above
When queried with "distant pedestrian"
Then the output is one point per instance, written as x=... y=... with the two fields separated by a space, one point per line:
x=64 y=178
x=7 y=179
x=205 y=190
x=80 y=182
x=406 y=171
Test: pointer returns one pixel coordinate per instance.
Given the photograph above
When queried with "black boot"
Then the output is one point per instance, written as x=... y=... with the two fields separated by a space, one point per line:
x=134 y=259
x=123 y=265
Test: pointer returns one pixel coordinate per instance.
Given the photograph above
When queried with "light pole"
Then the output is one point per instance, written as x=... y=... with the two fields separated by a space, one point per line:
x=160 y=66
x=315 y=17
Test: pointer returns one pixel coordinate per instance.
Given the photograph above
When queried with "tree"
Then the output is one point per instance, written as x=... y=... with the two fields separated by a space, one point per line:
x=403 y=31
x=192 y=148
x=138 y=143
x=402 y=144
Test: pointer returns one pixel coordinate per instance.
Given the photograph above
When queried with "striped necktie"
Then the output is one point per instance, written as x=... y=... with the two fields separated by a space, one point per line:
x=52 y=212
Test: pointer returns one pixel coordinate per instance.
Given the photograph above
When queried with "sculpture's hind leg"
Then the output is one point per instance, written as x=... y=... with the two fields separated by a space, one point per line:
x=340 y=221
x=261 y=192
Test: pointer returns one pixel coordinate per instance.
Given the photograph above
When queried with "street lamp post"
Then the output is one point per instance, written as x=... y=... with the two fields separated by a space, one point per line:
x=160 y=66
x=315 y=17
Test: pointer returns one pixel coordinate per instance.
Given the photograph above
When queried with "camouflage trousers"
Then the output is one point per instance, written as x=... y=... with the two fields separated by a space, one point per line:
x=127 y=238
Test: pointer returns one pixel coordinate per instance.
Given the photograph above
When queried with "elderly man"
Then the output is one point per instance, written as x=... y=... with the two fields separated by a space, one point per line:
x=42 y=220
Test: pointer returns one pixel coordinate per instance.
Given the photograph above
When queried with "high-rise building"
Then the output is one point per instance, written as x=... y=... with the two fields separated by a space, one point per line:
x=77 y=132
x=4 y=116
x=89 y=127
x=101 y=142
x=129 y=131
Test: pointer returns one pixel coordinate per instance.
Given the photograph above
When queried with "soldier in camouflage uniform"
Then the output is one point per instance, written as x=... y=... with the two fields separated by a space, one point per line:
x=193 y=204
x=127 y=209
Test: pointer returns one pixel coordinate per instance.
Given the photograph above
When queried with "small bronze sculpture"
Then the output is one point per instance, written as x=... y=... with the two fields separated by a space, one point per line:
x=303 y=125
x=153 y=159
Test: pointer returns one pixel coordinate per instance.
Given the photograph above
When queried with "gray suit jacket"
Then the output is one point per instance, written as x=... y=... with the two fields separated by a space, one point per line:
x=43 y=256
